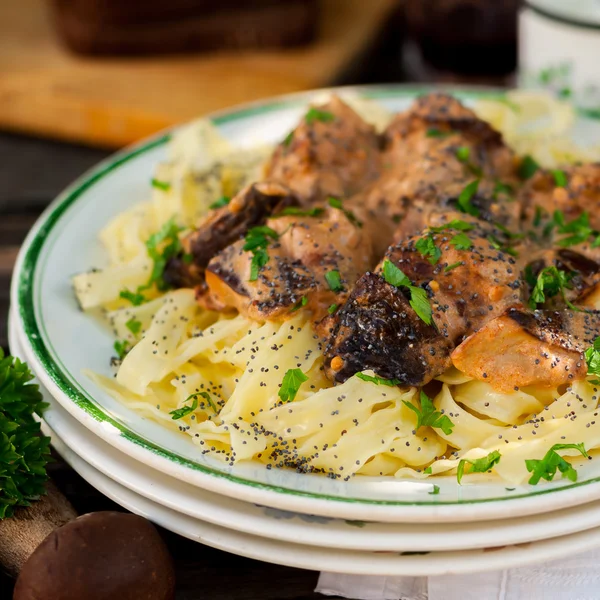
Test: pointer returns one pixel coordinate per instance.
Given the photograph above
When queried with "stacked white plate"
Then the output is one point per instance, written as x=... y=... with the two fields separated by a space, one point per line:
x=368 y=525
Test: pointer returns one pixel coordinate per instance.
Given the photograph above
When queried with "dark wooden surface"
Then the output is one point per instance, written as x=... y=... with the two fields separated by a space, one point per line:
x=32 y=172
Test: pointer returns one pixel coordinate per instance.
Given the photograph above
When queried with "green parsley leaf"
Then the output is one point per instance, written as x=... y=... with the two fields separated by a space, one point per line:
x=463 y=153
x=378 y=380
x=134 y=297
x=579 y=228
x=435 y=491
x=428 y=470
x=498 y=245
x=434 y=132
x=479 y=465
x=464 y=200
x=184 y=411
x=222 y=201
x=290 y=385
x=162 y=246
x=316 y=114
x=461 y=242
x=418 y=296
x=302 y=302
x=550 y=282
x=334 y=281
x=528 y=167
x=121 y=348
x=207 y=397
x=560 y=178
x=427 y=248
x=547 y=466
x=453 y=266
x=259 y=260
x=332 y=308
x=288 y=138
x=337 y=203
x=537 y=219
x=427 y=416
x=299 y=212
x=509 y=234
x=502 y=188
x=165 y=186
x=592 y=357
x=24 y=452
x=457 y=224
x=134 y=325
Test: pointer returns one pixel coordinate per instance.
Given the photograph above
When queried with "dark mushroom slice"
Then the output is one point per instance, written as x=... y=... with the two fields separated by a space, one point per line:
x=468 y=281
x=522 y=348
x=222 y=227
x=332 y=152
x=313 y=264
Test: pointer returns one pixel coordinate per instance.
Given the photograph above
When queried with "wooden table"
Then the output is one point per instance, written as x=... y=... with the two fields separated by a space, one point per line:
x=32 y=172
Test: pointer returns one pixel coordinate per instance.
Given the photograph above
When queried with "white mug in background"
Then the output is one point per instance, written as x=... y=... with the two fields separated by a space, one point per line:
x=559 y=50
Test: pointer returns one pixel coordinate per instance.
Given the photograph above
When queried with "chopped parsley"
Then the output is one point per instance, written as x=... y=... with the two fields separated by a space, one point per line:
x=134 y=325
x=478 y=465
x=418 y=296
x=222 y=201
x=434 y=132
x=165 y=186
x=378 y=380
x=550 y=282
x=256 y=241
x=502 y=188
x=461 y=242
x=302 y=302
x=337 y=203
x=334 y=281
x=427 y=416
x=457 y=224
x=207 y=397
x=332 y=308
x=435 y=491
x=560 y=178
x=579 y=229
x=316 y=114
x=463 y=153
x=134 y=297
x=592 y=357
x=498 y=245
x=528 y=167
x=453 y=266
x=162 y=246
x=464 y=200
x=427 y=248
x=547 y=466
x=184 y=411
x=294 y=211
x=288 y=138
x=290 y=385
x=121 y=348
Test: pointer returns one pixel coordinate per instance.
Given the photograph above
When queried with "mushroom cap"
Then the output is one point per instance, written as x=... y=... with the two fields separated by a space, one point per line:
x=99 y=556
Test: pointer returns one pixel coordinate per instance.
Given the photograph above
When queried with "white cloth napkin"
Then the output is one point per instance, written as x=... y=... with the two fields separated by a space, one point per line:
x=572 y=578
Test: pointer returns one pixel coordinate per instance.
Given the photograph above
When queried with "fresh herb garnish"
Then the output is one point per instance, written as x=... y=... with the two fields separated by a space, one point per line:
x=167 y=239
x=256 y=241
x=508 y=233
x=24 y=453
x=121 y=348
x=537 y=218
x=560 y=178
x=378 y=380
x=502 y=188
x=592 y=357
x=434 y=132
x=207 y=397
x=547 y=466
x=337 y=203
x=222 y=201
x=184 y=411
x=134 y=297
x=464 y=200
x=427 y=416
x=316 y=114
x=165 y=186
x=300 y=212
x=332 y=308
x=478 y=465
x=579 y=229
x=290 y=385
x=435 y=491
x=453 y=266
x=463 y=153
x=457 y=224
x=461 y=242
x=498 y=245
x=427 y=248
x=334 y=281
x=134 y=325
x=288 y=138
x=550 y=282
x=302 y=302
x=418 y=296
x=528 y=167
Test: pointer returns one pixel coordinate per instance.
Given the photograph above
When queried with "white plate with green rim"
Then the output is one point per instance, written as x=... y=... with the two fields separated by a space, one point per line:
x=60 y=341
x=413 y=564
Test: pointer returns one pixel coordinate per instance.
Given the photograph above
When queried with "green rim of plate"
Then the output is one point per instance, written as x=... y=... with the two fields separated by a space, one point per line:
x=43 y=351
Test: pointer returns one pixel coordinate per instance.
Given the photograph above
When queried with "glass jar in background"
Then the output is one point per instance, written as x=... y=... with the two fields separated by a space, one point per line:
x=465 y=41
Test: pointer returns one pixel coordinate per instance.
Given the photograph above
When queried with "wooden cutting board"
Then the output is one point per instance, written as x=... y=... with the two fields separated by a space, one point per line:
x=45 y=90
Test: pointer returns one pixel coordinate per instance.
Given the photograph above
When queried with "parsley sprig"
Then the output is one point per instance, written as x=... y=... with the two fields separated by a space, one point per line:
x=24 y=452
x=316 y=114
x=528 y=167
x=378 y=380
x=551 y=281
x=579 y=229
x=478 y=465
x=465 y=199
x=256 y=241
x=290 y=385
x=334 y=281
x=427 y=248
x=546 y=467
x=427 y=416
x=418 y=296
x=592 y=358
